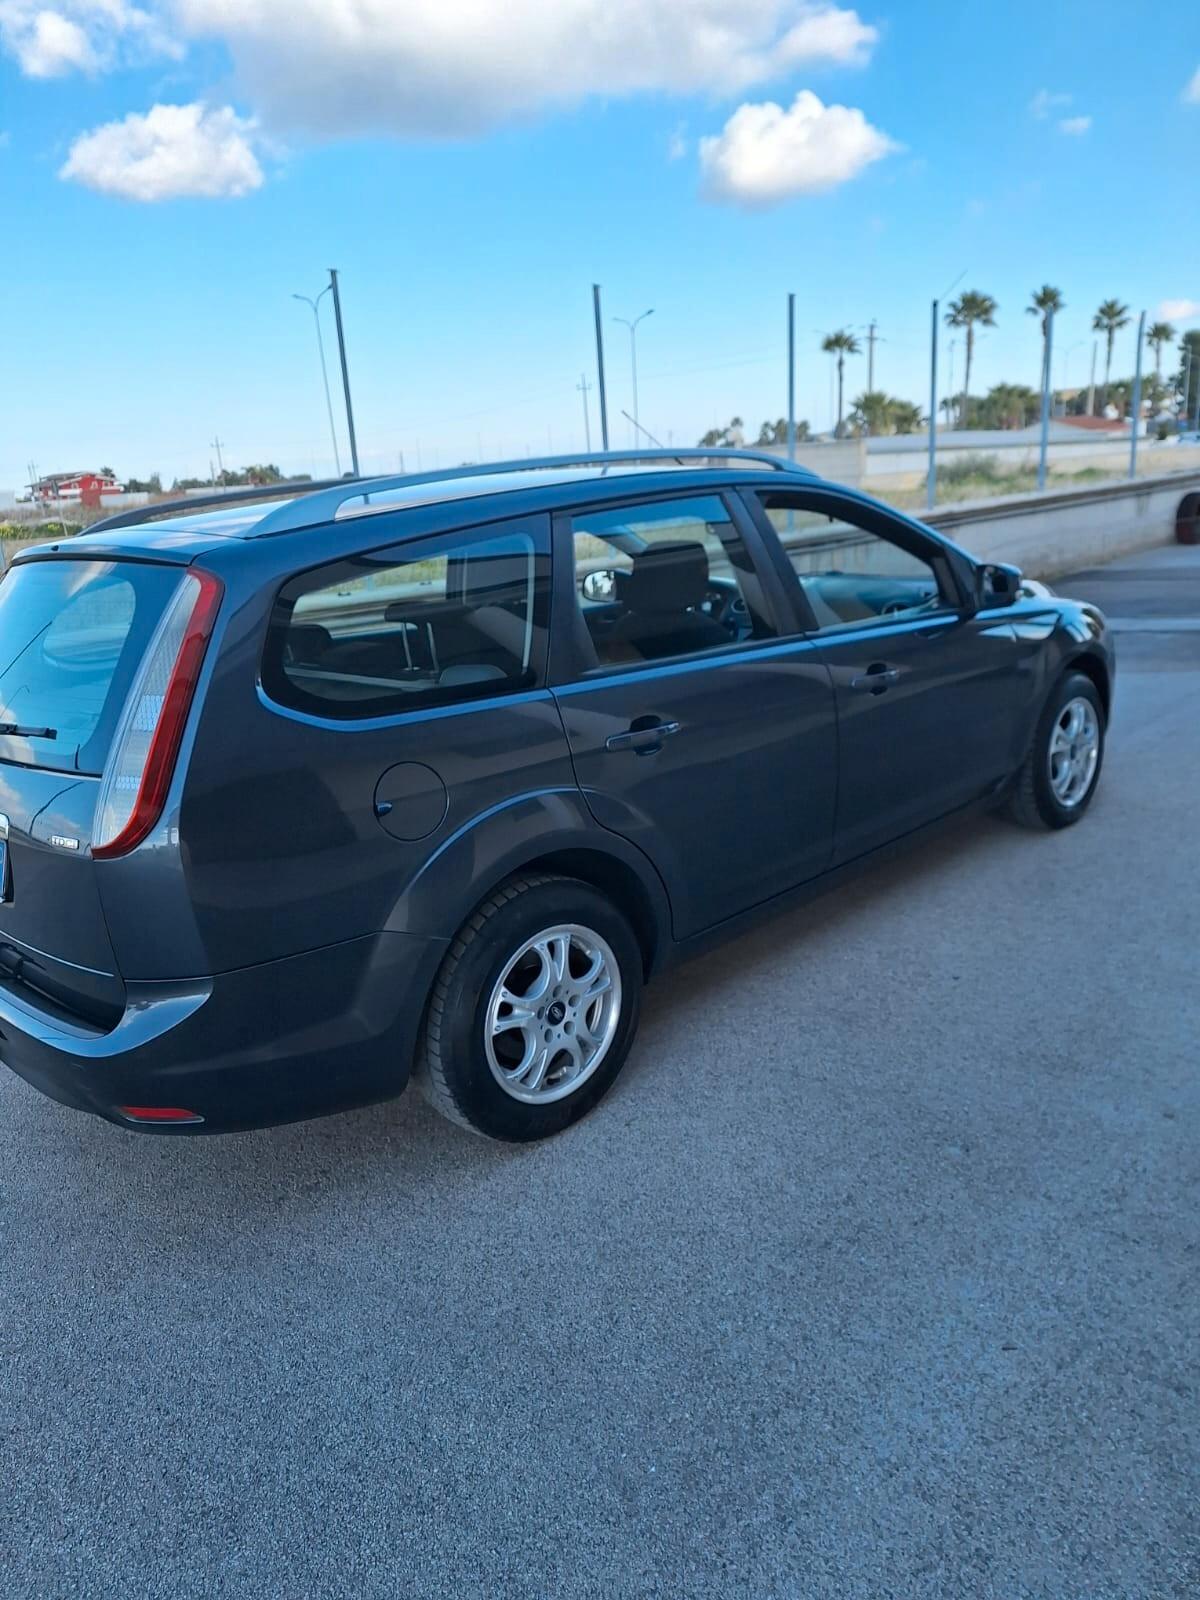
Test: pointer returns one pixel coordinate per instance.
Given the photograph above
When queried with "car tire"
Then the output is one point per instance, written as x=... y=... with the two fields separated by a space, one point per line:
x=1059 y=775
x=521 y=1036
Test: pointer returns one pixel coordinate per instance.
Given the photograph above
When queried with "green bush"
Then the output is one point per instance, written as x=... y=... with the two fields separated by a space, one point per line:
x=975 y=469
x=38 y=531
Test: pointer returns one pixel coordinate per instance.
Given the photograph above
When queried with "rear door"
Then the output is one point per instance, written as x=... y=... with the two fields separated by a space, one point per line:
x=699 y=729
x=928 y=692
x=72 y=633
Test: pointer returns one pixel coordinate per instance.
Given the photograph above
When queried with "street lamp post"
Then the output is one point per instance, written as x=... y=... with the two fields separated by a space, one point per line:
x=324 y=371
x=633 y=327
x=337 y=315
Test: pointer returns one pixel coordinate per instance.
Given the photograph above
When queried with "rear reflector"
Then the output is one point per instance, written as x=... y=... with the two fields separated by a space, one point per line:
x=141 y=762
x=159 y=1114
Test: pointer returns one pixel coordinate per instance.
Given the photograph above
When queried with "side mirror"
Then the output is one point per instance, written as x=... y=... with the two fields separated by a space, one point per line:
x=600 y=587
x=996 y=584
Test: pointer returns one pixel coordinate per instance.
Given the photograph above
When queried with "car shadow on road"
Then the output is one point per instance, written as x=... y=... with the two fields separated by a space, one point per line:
x=402 y=1146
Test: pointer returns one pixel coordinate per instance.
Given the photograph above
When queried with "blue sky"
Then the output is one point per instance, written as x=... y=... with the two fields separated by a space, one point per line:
x=472 y=179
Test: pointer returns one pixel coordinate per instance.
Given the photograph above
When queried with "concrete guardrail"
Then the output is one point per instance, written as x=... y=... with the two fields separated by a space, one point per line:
x=1067 y=529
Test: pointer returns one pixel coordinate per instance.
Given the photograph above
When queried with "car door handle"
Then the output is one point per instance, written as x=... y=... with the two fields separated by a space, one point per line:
x=644 y=741
x=876 y=679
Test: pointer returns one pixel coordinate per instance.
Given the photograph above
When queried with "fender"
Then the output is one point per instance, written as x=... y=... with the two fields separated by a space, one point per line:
x=527 y=832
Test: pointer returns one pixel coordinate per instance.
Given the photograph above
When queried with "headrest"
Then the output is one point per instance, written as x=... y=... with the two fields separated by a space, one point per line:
x=308 y=641
x=668 y=577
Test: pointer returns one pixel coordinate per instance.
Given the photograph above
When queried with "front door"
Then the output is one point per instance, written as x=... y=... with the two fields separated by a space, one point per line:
x=927 y=691
x=697 y=730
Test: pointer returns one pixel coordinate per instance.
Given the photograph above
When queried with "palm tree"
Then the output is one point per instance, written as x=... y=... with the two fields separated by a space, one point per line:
x=1042 y=303
x=906 y=417
x=842 y=344
x=1157 y=335
x=1109 y=319
x=872 y=412
x=970 y=308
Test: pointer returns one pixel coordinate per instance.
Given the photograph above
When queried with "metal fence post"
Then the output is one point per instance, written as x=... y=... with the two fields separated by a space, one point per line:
x=1135 y=419
x=1047 y=349
x=931 y=483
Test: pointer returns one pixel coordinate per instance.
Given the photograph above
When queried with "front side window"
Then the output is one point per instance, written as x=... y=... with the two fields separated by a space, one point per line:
x=851 y=574
x=665 y=578
x=399 y=629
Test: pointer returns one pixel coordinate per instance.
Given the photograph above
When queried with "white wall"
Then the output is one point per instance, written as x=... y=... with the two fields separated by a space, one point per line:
x=1068 y=529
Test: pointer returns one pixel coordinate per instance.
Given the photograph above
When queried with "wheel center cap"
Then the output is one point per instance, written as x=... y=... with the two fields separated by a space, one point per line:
x=556 y=1013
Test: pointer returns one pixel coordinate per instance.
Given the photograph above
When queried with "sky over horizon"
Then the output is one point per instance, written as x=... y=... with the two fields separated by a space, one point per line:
x=173 y=172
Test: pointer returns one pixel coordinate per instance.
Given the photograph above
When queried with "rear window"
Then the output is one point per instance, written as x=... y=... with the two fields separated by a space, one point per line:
x=71 y=636
x=399 y=629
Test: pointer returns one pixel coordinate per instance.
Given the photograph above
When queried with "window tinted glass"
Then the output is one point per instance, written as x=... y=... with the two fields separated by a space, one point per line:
x=665 y=578
x=850 y=574
x=71 y=636
x=398 y=629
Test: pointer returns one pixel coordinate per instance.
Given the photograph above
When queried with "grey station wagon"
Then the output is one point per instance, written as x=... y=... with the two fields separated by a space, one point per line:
x=427 y=776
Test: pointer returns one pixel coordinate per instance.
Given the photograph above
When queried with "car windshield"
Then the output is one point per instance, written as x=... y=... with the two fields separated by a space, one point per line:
x=71 y=636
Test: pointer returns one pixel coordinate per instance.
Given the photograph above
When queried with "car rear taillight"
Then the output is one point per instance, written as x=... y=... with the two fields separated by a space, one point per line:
x=141 y=762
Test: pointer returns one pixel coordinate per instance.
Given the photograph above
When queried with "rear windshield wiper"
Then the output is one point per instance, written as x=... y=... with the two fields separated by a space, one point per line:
x=17 y=730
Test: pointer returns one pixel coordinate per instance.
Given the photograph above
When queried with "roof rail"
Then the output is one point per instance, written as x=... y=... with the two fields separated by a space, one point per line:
x=313 y=502
x=201 y=502
x=324 y=505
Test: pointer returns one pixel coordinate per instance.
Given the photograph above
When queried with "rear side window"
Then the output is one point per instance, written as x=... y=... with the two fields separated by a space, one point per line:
x=71 y=636
x=416 y=625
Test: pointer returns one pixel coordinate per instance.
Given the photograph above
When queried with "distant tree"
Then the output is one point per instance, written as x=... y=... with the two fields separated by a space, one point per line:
x=1111 y=316
x=971 y=308
x=776 y=432
x=731 y=437
x=1008 y=405
x=907 y=417
x=1159 y=334
x=871 y=412
x=1186 y=383
x=1042 y=302
x=106 y=472
x=150 y=485
x=842 y=344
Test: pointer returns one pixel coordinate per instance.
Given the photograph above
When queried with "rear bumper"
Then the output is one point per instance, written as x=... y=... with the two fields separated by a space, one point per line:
x=311 y=1034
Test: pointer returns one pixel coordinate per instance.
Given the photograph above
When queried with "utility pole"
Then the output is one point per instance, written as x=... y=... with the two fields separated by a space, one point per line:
x=337 y=312
x=1091 y=405
x=600 y=366
x=1048 y=346
x=931 y=479
x=791 y=378
x=216 y=444
x=584 y=387
x=871 y=336
x=1136 y=418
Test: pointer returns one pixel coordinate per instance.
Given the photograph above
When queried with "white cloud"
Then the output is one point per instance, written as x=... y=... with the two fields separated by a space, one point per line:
x=454 y=67
x=79 y=35
x=765 y=154
x=1178 y=310
x=677 y=144
x=1074 y=127
x=1045 y=101
x=168 y=152
x=1191 y=92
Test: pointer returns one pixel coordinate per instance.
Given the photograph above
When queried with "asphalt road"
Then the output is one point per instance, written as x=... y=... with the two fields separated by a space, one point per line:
x=875 y=1276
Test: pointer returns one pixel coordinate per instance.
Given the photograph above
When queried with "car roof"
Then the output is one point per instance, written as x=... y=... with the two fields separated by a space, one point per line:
x=199 y=523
